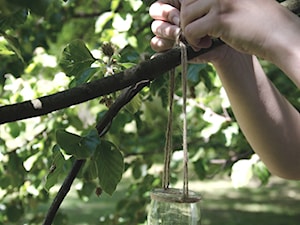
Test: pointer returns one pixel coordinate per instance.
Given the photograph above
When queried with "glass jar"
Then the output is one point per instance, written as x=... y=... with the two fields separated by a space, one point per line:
x=171 y=207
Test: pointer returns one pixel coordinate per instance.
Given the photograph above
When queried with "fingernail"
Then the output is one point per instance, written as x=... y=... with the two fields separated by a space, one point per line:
x=176 y=20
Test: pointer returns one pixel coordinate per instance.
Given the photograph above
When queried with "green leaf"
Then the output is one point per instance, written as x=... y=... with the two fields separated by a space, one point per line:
x=10 y=45
x=90 y=170
x=193 y=72
x=14 y=45
x=114 y=5
x=80 y=147
x=14 y=211
x=87 y=189
x=4 y=48
x=16 y=128
x=56 y=169
x=121 y=23
x=76 y=58
x=91 y=140
x=38 y=7
x=134 y=105
x=137 y=169
x=83 y=77
x=13 y=19
x=200 y=170
x=262 y=172
x=110 y=164
x=15 y=170
x=127 y=65
x=135 y=4
x=102 y=21
x=208 y=77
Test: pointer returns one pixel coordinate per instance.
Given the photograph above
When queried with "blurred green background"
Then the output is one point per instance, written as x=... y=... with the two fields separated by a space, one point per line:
x=49 y=46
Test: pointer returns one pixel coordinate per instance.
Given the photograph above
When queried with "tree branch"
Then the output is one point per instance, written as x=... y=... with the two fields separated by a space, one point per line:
x=63 y=191
x=102 y=127
x=147 y=70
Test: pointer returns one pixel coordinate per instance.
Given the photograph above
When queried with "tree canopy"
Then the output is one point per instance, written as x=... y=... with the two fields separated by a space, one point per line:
x=78 y=91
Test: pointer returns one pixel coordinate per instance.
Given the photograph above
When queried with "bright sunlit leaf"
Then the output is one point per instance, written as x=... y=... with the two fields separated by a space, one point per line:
x=102 y=21
x=122 y=24
x=114 y=5
x=241 y=173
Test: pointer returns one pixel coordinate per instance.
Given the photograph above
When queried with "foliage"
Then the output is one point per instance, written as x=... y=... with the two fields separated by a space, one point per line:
x=50 y=46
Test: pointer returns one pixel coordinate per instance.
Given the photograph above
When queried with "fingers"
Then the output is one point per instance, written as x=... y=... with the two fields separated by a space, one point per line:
x=199 y=38
x=197 y=22
x=165 y=25
x=175 y=3
x=192 y=10
x=165 y=30
x=165 y=12
x=160 y=44
x=165 y=33
x=166 y=17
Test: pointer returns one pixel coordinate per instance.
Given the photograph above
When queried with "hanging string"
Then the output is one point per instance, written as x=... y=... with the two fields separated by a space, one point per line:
x=168 y=144
x=183 y=50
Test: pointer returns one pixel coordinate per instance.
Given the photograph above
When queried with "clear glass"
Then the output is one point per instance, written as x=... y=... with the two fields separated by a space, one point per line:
x=169 y=207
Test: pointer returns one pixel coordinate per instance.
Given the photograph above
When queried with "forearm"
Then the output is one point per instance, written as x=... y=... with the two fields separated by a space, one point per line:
x=257 y=27
x=269 y=122
x=283 y=46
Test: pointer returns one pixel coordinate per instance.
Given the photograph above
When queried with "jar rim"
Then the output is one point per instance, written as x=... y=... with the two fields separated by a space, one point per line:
x=174 y=195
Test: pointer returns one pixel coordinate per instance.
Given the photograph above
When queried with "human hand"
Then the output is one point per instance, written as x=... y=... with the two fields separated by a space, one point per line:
x=251 y=26
x=166 y=27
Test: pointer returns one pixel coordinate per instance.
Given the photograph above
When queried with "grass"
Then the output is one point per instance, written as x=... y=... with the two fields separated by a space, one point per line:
x=278 y=203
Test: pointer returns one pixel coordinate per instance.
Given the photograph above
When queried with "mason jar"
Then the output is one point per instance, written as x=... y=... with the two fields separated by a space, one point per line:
x=171 y=207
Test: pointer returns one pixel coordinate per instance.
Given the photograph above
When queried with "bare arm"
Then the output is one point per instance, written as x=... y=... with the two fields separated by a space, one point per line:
x=270 y=123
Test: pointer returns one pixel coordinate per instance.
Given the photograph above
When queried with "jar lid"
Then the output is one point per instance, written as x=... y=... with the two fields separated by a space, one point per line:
x=174 y=195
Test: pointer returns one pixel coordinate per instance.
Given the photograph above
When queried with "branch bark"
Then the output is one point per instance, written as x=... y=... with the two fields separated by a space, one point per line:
x=63 y=191
x=147 y=70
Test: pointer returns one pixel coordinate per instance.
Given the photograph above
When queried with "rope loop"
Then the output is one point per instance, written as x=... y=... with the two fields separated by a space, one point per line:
x=168 y=145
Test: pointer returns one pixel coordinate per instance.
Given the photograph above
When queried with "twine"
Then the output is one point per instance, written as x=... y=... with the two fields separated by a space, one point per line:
x=168 y=144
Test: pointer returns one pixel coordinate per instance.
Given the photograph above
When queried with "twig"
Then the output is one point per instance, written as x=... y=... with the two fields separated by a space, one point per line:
x=63 y=191
x=102 y=128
